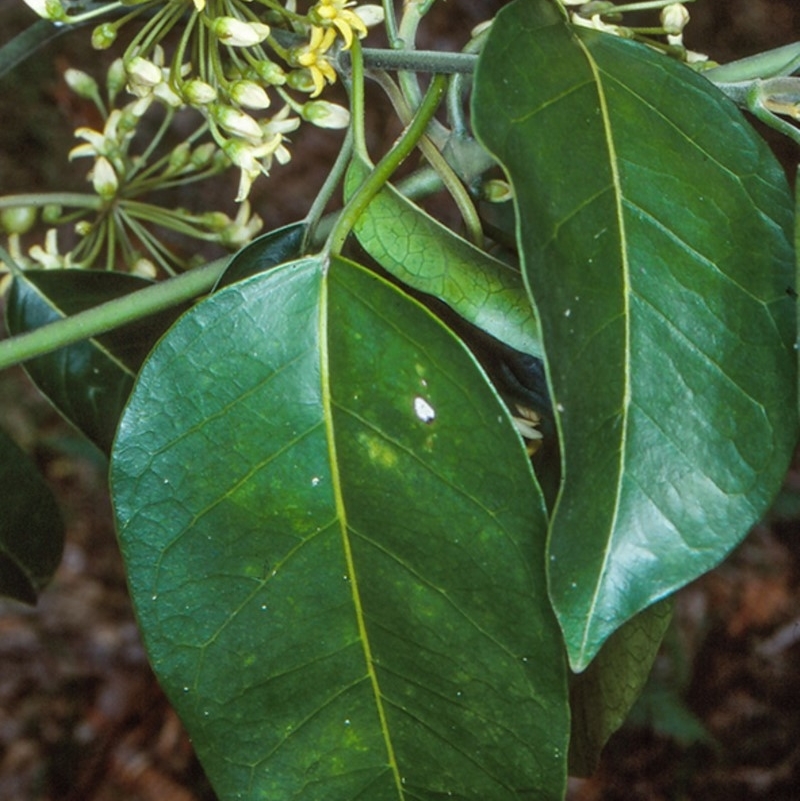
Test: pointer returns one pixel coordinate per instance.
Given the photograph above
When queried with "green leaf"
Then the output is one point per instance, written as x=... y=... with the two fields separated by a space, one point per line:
x=31 y=530
x=602 y=696
x=267 y=251
x=88 y=382
x=335 y=545
x=414 y=247
x=655 y=228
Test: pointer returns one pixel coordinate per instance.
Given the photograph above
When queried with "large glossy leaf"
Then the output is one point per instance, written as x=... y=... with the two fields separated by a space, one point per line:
x=335 y=548
x=414 y=247
x=88 y=382
x=655 y=228
x=31 y=530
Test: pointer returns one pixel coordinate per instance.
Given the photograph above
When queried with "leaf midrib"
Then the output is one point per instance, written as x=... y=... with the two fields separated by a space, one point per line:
x=626 y=294
x=341 y=515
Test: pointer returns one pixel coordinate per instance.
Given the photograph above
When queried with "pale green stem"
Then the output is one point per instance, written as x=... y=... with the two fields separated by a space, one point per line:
x=7 y=259
x=357 y=100
x=387 y=165
x=407 y=36
x=112 y=314
x=390 y=24
x=332 y=180
x=103 y=9
x=448 y=177
x=79 y=199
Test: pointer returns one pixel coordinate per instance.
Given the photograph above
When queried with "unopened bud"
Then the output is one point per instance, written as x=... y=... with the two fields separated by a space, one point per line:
x=104 y=179
x=103 y=36
x=674 y=18
x=216 y=221
x=179 y=157
x=301 y=80
x=496 y=191
x=81 y=83
x=17 y=219
x=144 y=268
x=370 y=15
x=238 y=33
x=270 y=73
x=198 y=93
x=116 y=78
x=51 y=214
x=249 y=95
x=325 y=115
x=202 y=155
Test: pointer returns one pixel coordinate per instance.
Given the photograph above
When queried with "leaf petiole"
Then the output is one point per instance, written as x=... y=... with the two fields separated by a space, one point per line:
x=387 y=165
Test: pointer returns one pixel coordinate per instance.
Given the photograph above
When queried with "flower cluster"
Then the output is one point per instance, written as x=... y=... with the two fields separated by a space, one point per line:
x=115 y=225
x=239 y=65
x=606 y=17
x=243 y=67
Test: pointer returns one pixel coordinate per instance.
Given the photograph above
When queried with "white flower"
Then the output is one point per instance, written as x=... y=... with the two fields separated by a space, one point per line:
x=99 y=144
x=81 y=83
x=254 y=160
x=596 y=23
x=167 y=95
x=148 y=79
x=693 y=57
x=237 y=122
x=49 y=257
x=248 y=158
x=241 y=230
x=143 y=76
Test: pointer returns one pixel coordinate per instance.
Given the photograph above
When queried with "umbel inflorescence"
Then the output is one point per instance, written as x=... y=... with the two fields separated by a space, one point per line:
x=252 y=71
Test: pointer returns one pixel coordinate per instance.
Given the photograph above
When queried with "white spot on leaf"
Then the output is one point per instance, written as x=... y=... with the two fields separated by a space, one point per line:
x=424 y=410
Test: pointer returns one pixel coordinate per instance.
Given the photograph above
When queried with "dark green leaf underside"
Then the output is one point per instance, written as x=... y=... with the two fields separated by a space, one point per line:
x=88 y=382
x=602 y=696
x=267 y=251
x=31 y=530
